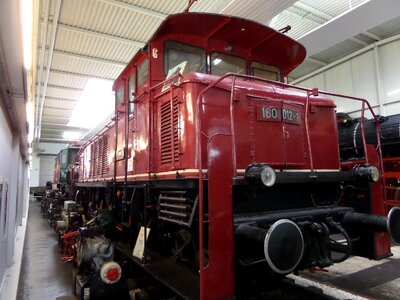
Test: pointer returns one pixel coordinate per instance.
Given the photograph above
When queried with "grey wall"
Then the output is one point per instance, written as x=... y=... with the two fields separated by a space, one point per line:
x=372 y=73
x=43 y=151
x=14 y=173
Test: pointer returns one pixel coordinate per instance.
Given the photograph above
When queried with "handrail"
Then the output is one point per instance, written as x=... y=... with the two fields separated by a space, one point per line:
x=309 y=92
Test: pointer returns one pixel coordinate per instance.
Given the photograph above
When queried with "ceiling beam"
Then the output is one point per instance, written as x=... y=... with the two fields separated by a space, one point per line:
x=79 y=75
x=96 y=59
x=55 y=107
x=317 y=61
x=61 y=99
x=52 y=135
x=372 y=36
x=135 y=8
x=102 y=35
x=58 y=141
x=56 y=117
x=345 y=26
x=358 y=41
x=63 y=127
x=312 y=10
x=64 y=87
x=51 y=129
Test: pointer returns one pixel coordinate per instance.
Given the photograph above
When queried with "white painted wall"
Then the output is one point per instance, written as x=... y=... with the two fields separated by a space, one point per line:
x=13 y=171
x=5 y=174
x=43 y=149
x=372 y=74
x=34 y=174
x=46 y=173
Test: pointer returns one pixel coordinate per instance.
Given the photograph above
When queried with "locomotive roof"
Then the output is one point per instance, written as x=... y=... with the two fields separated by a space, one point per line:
x=259 y=39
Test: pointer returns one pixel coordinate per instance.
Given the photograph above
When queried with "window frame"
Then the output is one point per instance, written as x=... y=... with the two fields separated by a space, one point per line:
x=165 y=62
x=228 y=54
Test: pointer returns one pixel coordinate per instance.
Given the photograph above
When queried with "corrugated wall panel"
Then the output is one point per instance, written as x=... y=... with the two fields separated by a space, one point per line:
x=57 y=111
x=58 y=93
x=52 y=119
x=259 y=10
x=363 y=77
x=332 y=7
x=66 y=80
x=357 y=77
x=85 y=66
x=389 y=56
x=95 y=46
x=60 y=103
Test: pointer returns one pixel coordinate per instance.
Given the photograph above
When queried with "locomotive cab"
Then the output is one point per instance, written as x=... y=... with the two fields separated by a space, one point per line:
x=235 y=173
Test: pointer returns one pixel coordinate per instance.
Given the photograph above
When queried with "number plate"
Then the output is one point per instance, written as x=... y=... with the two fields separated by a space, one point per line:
x=276 y=114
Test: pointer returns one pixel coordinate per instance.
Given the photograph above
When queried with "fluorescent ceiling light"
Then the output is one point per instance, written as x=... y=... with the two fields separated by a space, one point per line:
x=94 y=105
x=27 y=26
x=72 y=135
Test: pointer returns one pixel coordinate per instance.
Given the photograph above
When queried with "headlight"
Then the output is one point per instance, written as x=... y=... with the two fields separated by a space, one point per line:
x=268 y=176
x=256 y=174
x=368 y=171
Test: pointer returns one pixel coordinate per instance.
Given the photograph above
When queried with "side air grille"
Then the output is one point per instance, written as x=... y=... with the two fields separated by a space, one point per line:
x=92 y=161
x=104 y=156
x=169 y=133
x=176 y=207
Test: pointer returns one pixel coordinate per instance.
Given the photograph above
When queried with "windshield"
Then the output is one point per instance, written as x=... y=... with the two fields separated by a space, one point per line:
x=224 y=63
x=264 y=71
x=177 y=53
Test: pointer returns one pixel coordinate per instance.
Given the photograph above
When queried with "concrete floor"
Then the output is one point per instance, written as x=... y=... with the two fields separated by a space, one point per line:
x=43 y=274
x=368 y=278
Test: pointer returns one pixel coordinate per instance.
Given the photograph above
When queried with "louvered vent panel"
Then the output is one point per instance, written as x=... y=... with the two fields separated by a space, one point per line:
x=100 y=158
x=104 y=156
x=169 y=133
x=92 y=161
x=96 y=155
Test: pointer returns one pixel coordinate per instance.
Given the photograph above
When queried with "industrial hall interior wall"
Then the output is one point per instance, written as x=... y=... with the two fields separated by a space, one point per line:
x=14 y=156
x=13 y=193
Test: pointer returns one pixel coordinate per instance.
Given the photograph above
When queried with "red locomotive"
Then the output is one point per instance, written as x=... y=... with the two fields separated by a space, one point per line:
x=233 y=174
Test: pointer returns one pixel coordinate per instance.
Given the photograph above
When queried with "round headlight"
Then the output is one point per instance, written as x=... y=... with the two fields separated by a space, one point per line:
x=268 y=176
x=374 y=173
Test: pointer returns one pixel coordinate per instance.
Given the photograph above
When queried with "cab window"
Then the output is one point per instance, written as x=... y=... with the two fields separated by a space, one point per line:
x=224 y=63
x=119 y=96
x=177 y=53
x=264 y=71
x=131 y=91
x=143 y=73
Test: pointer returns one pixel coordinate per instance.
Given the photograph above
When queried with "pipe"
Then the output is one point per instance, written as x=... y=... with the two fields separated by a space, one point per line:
x=367 y=222
x=49 y=61
x=42 y=54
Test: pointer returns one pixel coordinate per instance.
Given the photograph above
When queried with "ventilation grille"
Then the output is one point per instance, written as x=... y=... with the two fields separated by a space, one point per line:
x=176 y=207
x=104 y=155
x=169 y=133
x=92 y=160
x=99 y=158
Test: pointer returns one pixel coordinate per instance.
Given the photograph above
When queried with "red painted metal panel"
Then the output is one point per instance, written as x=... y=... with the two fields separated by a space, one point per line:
x=217 y=278
x=381 y=240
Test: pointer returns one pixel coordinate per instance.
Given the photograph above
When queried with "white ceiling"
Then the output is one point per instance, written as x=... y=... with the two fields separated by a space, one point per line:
x=80 y=39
